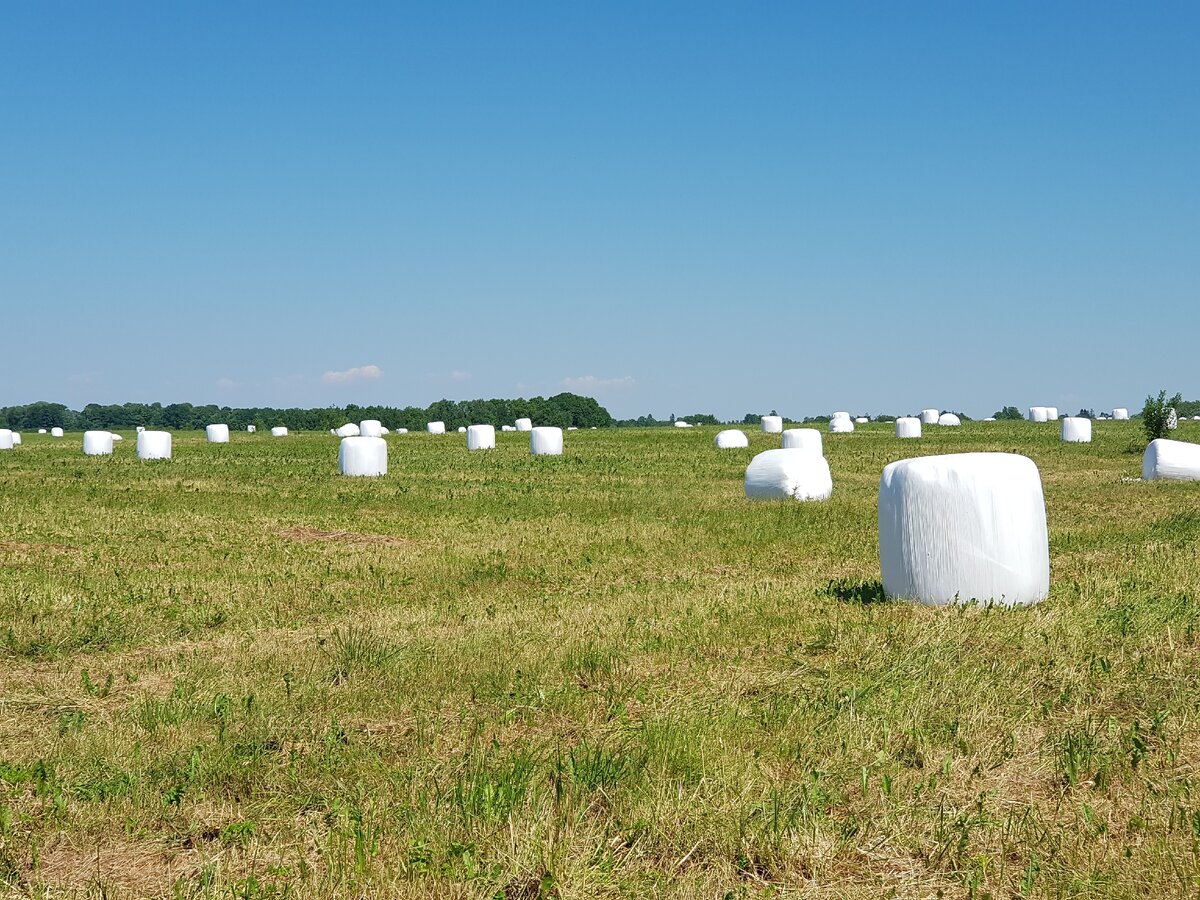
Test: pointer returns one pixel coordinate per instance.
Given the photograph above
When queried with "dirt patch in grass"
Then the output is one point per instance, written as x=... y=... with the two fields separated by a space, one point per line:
x=309 y=535
x=27 y=548
x=144 y=869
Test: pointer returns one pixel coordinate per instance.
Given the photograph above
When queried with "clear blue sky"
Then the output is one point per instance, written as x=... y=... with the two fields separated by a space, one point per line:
x=688 y=207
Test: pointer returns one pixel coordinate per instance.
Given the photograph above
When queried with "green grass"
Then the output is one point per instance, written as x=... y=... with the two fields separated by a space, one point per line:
x=236 y=674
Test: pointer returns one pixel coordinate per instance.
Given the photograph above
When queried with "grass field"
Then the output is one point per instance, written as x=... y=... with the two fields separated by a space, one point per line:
x=236 y=674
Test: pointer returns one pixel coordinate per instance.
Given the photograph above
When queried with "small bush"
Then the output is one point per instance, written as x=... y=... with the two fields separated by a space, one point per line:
x=1156 y=413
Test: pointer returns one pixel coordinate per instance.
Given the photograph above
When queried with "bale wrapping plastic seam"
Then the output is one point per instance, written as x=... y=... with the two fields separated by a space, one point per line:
x=361 y=456
x=803 y=439
x=546 y=440
x=154 y=445
x=481 y=437
x=731 y=439
x=1169 y=460
x=1076 y=430
x=788 y=474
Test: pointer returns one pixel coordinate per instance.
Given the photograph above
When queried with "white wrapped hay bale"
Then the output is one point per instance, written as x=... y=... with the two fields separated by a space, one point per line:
x=43 y=430
x=217 y=434
x=1038 y=414
x=949 y=420
x=507 y=428
x=731 y=439
x=572 y=428
x=362 y=456
x=56 y=432
x=140 y=429
x=481 y=437
x=279 y=431
x=1169 y=460
x=679 y=423
x=116 y=437
x=908 y=427
x=930 y=416
x=1076 y=430
x=250 y=429
x=6 y=439
x=16 y=439
x=154 y=445
x=990 y=419
x=384 y=431
x=436 y=427
x=1120 y=413
x=772 y=424
x=962 y=527
x=1051 y=413
x=401 y=431
x=546 y=441
x=347 y=430
x=841 y=424
x=97 y=443
x=462 y=429
x=370 y=428
x=524 y=424
x=803 y=439
x=789 y=474
x=861 y=420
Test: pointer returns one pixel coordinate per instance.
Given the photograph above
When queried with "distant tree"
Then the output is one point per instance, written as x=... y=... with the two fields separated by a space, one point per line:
x=1009 y=412
x=1087 y=413
x=700 y=419
x=752 y=418
x=1156 y=412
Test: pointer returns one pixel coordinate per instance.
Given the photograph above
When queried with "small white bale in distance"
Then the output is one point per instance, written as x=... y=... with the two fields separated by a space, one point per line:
x=1051 y=413
x=840 y=424
x=347 y=430
x=990 y=419
x=1169 y=460
x=930 y=416
x=731 y=439
x=1120 y=413
x=116 y=437
x=16 y=438
x=546 y=440
x=572 y=428
x=401 y=431
x=679 y=423
x=962 y=527
x=908 y=427
x=250 y=429
x=789 y=474
x=949 y=419
x=1038 y=414
x=154 y=445
x=524 y=424
x=6 y=439
x=279 y=431
x=861 y=420
x=436 y=427
x=772 y=424
x=362 y=456
x=462 y=429
x=141 y=428
x=43 y=430
x=481 y=437
x=507 y=428
x=56 y=432
x=384 y=430
x=217 y=434
x=97 y=443
x=1076 y=430
x=803 y=439
x=370 y=428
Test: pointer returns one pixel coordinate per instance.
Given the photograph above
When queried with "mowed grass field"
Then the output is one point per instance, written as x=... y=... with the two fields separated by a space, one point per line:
x=237 y=674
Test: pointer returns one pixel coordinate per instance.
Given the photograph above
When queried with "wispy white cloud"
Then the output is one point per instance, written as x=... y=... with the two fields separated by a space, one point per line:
x=358 y=373
x=226 y=383
x=592 y=383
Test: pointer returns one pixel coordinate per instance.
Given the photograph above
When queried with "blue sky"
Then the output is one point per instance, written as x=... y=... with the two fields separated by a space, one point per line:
x=684 y=207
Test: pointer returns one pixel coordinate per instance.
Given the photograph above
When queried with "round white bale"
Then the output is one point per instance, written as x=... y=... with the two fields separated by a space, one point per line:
x=436 y=427
x=507 y=428
x=97 y=443
x=1051 y=413
x=962 y=527
x=1076 y=430
x=401 y=431
x=949 y=419
x=524 y=424
x=481 y=437
x=250 y=429
x=362 y=456
x=279 y=431
x=56 y=432
x=930 y=416
x=788 y=474
x=154 y=445
x=16 y=439
x=803 y=439
x=43 y=430
x=116 y=437
x=140 y=429
x=990 y=419
x=572 y=428
x=6 y=439
x=1038 y=414
x=731 y=439
x=840 y=424
x=384 y=431
x=462 y=429
x=347 y=430
x=546 y=440
x=217 y=434
x=679 y=423
x=908 y=427
x=772 y=424
x=370 y=428
x=861 y=420
x=1169 y=460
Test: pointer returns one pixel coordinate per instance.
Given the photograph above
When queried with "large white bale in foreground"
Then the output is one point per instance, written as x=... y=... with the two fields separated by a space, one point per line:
x=348 y=430
x=803 y=439
x=436 y=427
x=524 y=424
x=949 y=419
x=731 y=439
x=481 y=437
x=279 y=431
x=1038 y=414
x=6 y=439
x=97 y=443
x=908 y=427
x=1076 y=430
x=362 y=456
x=1120 y=413
x=789 y=474
x=370 y=428
x=962 y=527
x=930 y=416
x=1171 y=461
x=217 y=434
x=772 y=424
x=840 y=424
x=56 y=432
x=154 y=445
x=546 y=440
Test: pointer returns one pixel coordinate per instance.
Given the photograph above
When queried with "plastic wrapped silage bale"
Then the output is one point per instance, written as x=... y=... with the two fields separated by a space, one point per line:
x=803 y=439
x=116 y=437
x=97 y=443
x=401 y=431
x=362 y=456
x=990 y=419
x=16 y=439
x=788 y=474
x=861 y=420
x=370 y=428
x=217 y=434
x=962 y=527
x=6 y=439
x=731 y=439
x=546 y=441
x=841 y=423
x=949 y=419
x=1120 y=413
x=908 y=427
x=772 y=424
x=679 y=423
x=250 y=429
x=524 y=424
x=436 y=427
x=507 y=428
x=347 y=430
x=572 y=428
x=481 y=437
x=930 y=416
x=1170 y=460
x=384 y=431
x=279 y=431
x=154 y=445
x=1051 y=413
x=462 y=429
x=56 y=432
x=1038 y=414
x=43 y=430
x=1076 y=430
x=1172 y=419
